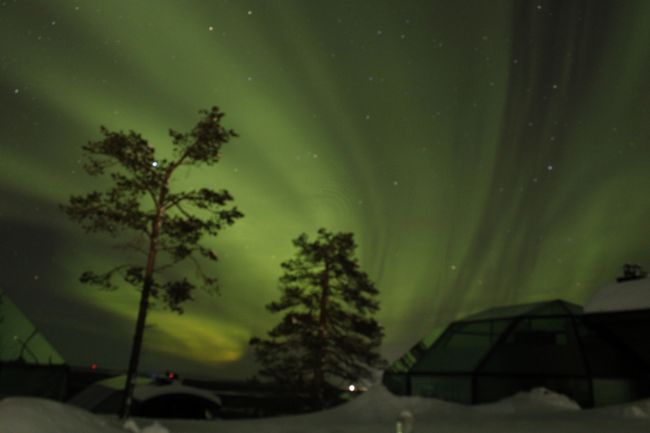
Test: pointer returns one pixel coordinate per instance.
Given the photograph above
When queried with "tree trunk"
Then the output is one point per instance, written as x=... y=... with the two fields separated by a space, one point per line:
x=319 y=373
x=136 y=348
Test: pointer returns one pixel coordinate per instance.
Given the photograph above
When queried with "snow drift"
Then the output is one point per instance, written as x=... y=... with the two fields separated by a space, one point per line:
x=538 y=411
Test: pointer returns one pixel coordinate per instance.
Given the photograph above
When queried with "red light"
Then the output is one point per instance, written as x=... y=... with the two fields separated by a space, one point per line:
x=93 y=366
x=170 y=375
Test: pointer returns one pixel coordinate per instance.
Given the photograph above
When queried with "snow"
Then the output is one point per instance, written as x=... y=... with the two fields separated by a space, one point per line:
x=145 y=388
x=623 y=296
x=375 y=411
x=37 y=415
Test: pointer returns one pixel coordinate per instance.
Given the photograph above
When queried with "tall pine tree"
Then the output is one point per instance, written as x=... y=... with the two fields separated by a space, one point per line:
x=327 y=338
x=165 y=225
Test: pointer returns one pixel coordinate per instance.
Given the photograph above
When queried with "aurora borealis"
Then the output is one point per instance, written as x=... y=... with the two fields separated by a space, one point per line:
x=482 y=152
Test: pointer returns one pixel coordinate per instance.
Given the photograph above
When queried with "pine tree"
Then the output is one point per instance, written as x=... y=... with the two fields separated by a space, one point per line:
x=327 y=338
x=164 y=225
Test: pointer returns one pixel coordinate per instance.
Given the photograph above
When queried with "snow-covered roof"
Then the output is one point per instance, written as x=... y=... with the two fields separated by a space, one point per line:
x=621 y=296
x=145 y=389
x=145 y=392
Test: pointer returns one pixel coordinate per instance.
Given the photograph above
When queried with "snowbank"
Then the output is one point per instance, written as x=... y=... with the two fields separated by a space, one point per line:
x=376 y=411
x=37 y=415
x=537 y=400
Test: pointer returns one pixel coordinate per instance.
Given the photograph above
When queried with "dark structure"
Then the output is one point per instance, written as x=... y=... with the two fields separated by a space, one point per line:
x=19 y=378
x=632 y=272
x=501 y=351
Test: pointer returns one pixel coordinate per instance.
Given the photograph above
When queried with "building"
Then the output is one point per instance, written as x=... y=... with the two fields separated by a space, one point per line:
x=498 y=352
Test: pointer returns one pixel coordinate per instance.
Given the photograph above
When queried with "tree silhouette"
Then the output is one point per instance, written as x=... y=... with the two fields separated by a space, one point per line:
x=328 y=337
x=166 y=225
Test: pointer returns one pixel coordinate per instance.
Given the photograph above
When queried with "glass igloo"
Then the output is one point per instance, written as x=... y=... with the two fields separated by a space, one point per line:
x=501 y=351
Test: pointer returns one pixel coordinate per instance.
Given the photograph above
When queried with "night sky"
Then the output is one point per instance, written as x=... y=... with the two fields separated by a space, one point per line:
x=482 y=152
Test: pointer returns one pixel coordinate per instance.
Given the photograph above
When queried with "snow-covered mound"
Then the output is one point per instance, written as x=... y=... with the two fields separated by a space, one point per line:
x=538 y=411
x=537 y=400
x=380 y=404
x=623 y=296
x=38 y=415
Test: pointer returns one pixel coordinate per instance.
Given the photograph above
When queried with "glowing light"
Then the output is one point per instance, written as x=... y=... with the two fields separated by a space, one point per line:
x=154 y=164
x=352 y=388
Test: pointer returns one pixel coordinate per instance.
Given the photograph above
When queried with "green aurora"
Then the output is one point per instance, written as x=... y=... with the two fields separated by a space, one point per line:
x=483 y=153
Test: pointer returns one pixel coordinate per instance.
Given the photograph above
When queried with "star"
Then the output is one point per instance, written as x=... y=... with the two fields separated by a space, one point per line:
x=210 y=28
x=549 y=167
x=250 y=12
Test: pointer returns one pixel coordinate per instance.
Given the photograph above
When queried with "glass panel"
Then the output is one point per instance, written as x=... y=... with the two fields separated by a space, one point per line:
x=461 y=348
x=396 y=383
x=546 y=308
x=458 y=389
x=574 y=309
x=407 y=361
x=614 y=391
x=504 y=312
x=544 y=346
x=557 y=308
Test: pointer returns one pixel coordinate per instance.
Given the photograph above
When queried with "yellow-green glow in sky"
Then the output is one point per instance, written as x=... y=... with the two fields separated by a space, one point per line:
x=483 y=153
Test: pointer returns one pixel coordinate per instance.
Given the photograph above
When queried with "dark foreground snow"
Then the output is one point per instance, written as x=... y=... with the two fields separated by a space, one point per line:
x=376 y=411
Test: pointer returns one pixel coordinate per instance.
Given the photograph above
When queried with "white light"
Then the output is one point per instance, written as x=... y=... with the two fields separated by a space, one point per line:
x=351 y=388
x=155 y=163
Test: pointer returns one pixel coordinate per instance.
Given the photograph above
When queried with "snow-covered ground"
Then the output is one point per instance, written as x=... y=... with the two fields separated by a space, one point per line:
x=376 y=411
